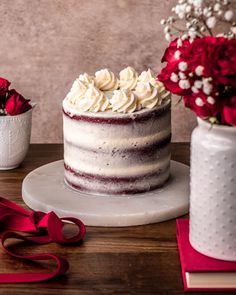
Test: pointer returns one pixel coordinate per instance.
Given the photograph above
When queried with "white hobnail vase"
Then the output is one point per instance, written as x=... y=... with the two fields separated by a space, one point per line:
x=213 y=190
x=15 y=134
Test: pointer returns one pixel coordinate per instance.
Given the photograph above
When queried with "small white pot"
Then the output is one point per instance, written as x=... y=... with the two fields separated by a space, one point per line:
x=15 y=134
x=213 y=191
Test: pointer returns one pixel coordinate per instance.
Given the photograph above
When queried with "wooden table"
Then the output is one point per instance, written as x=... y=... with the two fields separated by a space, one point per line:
x=133 y=260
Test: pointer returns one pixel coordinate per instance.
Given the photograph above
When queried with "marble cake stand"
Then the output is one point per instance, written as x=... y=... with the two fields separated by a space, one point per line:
x=44 y=189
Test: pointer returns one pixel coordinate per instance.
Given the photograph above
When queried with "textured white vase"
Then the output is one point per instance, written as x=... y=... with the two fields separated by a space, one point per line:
x=213 y=191
x=15 y=134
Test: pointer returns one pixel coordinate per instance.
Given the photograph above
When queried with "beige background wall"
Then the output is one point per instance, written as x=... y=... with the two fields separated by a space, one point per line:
x=45 y=44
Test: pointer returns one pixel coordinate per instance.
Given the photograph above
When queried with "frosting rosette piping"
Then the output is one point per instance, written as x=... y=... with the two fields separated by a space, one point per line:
x=106 y=80
x=94 y=101
x=147 y=95
x=104 y=92
x=128 y=78
x=77 y=92
x=86 y=79
x=124 y=101
x=148 y=76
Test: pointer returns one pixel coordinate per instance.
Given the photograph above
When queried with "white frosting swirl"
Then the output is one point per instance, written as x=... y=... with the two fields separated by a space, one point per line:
x=148 y=76
x=128 y=78
x=124 y=101
x=77 y=92
x=86 y=79
x=106 y=80
x=94 y=101
x=104 y=92
x=147 y=95
x=163 y=94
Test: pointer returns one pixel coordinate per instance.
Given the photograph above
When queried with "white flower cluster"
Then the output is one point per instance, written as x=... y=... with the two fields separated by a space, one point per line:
x=201 y=86
x=198 y=18
x=2 y=112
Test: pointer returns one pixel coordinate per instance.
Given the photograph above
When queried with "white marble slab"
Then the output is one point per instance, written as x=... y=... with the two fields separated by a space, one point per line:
x=44 y=189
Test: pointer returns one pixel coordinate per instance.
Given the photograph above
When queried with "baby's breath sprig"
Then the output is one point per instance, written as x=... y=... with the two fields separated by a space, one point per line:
x=199 y=18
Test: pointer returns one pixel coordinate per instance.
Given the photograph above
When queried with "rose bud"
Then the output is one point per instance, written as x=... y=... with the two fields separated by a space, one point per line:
x=16 y=103
x=4 y=84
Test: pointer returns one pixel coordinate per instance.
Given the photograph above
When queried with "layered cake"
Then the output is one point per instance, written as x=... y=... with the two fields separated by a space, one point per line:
x=117 y=133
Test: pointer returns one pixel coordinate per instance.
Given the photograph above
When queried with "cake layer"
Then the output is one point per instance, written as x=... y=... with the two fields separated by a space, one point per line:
x=117 y=153
x=91 y=183
x=116 y=118
x=118 y=162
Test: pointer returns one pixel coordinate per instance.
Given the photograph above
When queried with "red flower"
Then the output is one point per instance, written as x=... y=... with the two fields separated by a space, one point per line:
x=222 y=62
x=174 y=52
x=4 y=84
x=166 y=77
x=204 y=106
x=229 y=111
x=16 y=103
x=204 y=72
x=169 y=75
x=200 y=53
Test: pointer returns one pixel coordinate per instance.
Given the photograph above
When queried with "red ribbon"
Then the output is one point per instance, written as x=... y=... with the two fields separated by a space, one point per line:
x=43 y=228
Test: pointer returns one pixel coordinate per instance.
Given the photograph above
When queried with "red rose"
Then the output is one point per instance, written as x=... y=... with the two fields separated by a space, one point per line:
x=204 y=73
x=169 y=76
x=222 y=62
x=174 y=52
x=16 y=103
x=200 y=53
x=202 y=105
x=4 y=84
x=217 y=55
x=229 y=111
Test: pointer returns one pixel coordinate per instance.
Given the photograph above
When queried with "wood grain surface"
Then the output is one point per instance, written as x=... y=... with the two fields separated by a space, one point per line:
x=132 y=260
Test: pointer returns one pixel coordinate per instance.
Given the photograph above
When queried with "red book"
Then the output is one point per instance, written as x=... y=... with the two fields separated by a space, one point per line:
x=200 y=272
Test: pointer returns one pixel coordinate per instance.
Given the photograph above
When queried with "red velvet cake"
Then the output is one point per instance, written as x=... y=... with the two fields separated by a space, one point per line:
x=117 y=133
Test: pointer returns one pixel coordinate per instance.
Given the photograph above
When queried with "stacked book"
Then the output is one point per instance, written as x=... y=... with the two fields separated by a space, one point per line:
x=200 y=272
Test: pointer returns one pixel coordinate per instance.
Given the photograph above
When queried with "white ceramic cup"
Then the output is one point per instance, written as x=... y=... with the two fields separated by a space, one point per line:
x=15 y=134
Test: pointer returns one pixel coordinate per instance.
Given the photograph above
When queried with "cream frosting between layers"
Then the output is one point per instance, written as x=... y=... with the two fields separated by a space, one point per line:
x=105 y=135
x=87 y=166
x=112 y=187
x=129 y=144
